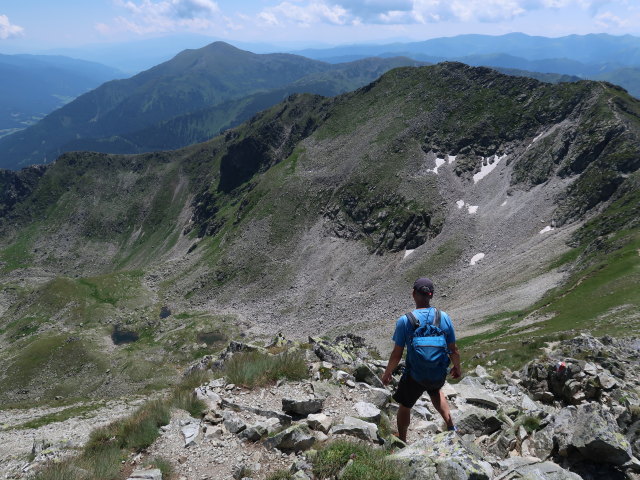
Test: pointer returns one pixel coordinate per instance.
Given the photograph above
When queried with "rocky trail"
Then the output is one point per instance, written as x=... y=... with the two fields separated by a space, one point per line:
x=574 y=413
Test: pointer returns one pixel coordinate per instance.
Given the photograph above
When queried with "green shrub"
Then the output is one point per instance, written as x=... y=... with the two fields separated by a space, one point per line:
x=164 y=466
x=280 y=475
x=252 y=369
x=57 y=471
x=530 y=424
x=189 y=402
x=368 y=462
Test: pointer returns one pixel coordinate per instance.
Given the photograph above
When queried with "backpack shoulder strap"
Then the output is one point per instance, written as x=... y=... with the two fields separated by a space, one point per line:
x=436 y=321
x=414 y=321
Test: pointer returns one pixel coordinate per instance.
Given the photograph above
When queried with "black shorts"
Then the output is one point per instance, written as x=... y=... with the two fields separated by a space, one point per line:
x=409 y=391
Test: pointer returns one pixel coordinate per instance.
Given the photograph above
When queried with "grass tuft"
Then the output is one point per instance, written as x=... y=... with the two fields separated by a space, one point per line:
x=254 y=369
x=368 y=462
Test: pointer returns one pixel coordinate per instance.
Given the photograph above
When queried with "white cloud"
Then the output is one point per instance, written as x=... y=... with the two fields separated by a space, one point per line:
x=7 y=30
x=305 y=15
x=147 y=16
x=609 y=20
x=400 y=12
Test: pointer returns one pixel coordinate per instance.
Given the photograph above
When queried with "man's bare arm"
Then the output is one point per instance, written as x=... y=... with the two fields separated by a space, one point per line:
x=394 y=360
x=456 y=371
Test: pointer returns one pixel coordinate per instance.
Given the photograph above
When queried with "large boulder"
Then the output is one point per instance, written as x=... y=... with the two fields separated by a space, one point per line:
x=367 y=411
x=593 y=432
x=303 y=406
x=477 y=395
x=478 y=421
x=443 y=456
x=356 y=428
x=296 y=438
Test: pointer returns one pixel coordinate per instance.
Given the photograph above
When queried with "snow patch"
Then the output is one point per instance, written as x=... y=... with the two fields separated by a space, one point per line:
x=488 y=168
x=476 y=258
x=546 y=229
x=439 y=163
x=470 y=208
x=451 y=158
x=407 y=253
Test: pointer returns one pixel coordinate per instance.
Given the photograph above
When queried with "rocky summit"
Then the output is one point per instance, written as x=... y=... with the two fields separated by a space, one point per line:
x=572 y=413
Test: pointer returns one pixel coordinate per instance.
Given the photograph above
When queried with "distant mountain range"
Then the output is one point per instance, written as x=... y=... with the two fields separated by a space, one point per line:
x=202 y=92
x=185 y=100
x=32 y=86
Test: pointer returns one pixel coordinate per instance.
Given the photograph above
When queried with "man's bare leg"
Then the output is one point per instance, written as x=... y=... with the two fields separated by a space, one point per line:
x=440 y=403
x=404 y=418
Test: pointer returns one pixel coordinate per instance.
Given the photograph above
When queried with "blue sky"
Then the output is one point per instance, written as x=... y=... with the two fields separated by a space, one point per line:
x=37 y=24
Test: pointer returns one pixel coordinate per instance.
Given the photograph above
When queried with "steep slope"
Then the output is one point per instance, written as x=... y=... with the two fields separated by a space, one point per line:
x=315 y=216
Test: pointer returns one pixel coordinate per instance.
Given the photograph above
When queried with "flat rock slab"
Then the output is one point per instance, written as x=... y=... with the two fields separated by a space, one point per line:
x=190 y=431
x=303 y=406
x=367 y=411
x=477 y=395
x=357 y=428
x=153 y=474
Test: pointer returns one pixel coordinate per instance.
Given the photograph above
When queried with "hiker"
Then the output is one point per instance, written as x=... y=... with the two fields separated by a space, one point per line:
x=425 y=373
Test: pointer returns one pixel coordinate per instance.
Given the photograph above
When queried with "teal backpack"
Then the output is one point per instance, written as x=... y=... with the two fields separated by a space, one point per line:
x=427 y=353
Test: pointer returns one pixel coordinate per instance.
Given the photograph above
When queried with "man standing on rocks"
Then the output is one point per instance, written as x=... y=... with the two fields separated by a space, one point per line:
x=409 y=390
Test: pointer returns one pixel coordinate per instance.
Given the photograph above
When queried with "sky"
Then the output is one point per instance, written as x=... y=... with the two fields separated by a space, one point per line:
x=38 y=24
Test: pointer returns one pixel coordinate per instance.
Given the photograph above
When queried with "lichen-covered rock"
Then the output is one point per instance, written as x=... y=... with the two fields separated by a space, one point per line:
x=593 y=432
x=518 y=468
x=296 y=438
x=364 y=373
x=443 y=456
x=478 y=421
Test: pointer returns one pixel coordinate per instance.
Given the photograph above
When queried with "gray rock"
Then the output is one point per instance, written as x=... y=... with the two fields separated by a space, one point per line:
x=357 y=428
x=191 y=431
x=210 y=398
x=233 y=423
x=364 y=373
x=442 y=456
x=477 y=395
x=325 y=389
x=541 y=443
x=303 y=406
x=379 y=396
x=422 y=411
x=294 y=439
x=367 y=411
x=529 y=405
x=607 y=381
x=153 y=474
x=319 y=421
x=281 y=417
x=593 y=432
x=478 y=421
x=334 y=353
x=253 y=433
x=519 y=468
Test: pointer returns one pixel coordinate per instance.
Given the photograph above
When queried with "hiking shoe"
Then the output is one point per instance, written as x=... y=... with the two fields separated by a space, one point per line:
x=452 y=428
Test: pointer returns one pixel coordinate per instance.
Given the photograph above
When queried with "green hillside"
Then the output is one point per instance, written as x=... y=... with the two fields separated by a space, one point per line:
x=322 y=209
x=192 y=97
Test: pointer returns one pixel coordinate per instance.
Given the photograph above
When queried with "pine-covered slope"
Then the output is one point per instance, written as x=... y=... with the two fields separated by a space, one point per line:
x=316 y=215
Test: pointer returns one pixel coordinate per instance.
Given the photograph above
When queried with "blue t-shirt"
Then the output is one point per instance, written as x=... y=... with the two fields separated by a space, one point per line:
x=404 y=329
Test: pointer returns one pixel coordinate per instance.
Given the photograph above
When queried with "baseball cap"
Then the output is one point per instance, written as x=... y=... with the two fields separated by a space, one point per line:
x=423 y=285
